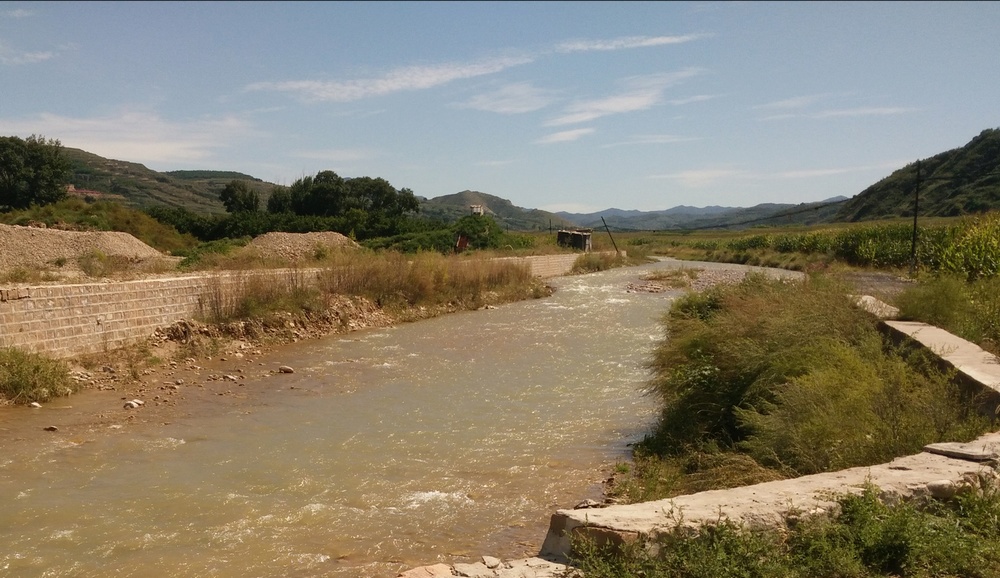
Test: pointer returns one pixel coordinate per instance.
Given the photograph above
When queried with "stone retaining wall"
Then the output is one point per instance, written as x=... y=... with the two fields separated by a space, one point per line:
x=67 y=320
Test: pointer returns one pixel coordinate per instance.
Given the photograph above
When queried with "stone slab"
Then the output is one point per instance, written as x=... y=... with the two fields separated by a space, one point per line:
x=965 y=451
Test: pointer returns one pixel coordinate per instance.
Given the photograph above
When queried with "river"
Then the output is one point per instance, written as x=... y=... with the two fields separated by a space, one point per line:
x=439 y=440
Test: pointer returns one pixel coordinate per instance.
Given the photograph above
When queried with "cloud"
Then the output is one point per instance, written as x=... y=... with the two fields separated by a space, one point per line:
x=623 y=43
x=650 y=139
x=700 y=177
x=18 y=13
x=810 y=173
x=845 y=113
x=336 y=155
x=565 y=136
x=401 y=79
x=571 y=208
x=692 y=99
x=706 y=177
x=515 y=98
x=640 y=93
x=136 y=136
x=864 y=111
x=11 y=57
x=792 y=103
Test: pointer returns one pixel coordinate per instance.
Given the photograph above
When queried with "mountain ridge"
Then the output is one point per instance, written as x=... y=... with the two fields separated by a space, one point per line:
x=963 y=180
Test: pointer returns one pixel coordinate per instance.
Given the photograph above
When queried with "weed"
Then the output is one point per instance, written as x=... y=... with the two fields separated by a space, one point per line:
x=26 y=377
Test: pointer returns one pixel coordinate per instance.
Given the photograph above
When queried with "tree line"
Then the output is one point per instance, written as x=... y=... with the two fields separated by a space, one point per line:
x=35 y=172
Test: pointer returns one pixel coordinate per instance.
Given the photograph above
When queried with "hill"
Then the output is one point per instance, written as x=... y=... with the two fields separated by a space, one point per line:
x=452 y=207
x=714 y=217
x=135 y=184
x=957 y=182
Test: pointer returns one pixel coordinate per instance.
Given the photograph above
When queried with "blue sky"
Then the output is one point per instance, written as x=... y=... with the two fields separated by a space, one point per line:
x=577 y=106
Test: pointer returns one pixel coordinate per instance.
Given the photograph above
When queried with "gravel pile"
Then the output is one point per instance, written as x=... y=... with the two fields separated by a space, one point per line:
x=299 y=246
x=33 y=247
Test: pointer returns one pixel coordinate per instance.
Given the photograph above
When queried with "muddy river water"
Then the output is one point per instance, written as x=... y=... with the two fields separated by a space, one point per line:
x=434 y=441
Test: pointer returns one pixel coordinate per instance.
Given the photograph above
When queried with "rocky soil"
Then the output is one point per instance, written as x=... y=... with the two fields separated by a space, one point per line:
x=58 y=251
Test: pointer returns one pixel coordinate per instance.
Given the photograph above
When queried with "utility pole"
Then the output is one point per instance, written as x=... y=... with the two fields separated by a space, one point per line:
x=916 y=209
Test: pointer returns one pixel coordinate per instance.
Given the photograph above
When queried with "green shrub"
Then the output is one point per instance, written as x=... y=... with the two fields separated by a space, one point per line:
x=27 y=377
x=795 y=378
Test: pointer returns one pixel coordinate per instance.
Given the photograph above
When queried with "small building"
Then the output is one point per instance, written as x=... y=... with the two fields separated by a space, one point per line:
x=478 y=209
x=577 y=239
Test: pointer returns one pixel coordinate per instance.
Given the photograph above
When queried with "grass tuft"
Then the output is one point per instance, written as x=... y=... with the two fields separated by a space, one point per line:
x=26 y=377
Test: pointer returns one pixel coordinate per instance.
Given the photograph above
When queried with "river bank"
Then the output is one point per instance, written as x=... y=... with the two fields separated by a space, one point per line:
x=192 y=363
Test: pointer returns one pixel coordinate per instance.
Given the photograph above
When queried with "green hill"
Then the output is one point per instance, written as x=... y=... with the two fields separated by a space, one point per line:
x=136 y=185
x=452 y=207
x=958 y=182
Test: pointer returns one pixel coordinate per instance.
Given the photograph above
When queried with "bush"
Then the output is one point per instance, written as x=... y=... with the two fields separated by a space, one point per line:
x=27 y=377
x=795 y=378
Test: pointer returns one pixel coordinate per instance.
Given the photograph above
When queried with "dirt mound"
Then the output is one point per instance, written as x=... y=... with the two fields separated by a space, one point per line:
x=299 y=246
x=38 y=248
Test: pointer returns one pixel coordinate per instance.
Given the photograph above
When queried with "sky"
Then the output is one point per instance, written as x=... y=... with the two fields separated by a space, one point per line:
x=561 y=106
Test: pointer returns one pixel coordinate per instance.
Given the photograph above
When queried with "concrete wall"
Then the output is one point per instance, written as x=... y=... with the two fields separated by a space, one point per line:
x=67 y=320
x=546 y=266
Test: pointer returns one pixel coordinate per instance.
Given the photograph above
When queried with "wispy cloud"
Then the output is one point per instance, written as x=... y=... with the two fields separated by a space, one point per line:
x=11 y=57
x=640 y=93
x=795 y=102
x=692 y=99
x=811 y=173
x=865 y=111
x=624 y=43
x=401 y=79
x=845 y=113
x=515 y=98
x=136 y=136
x=565 y=136
x=700 y=177
x=650 y=139
x=336 y=155
x=697 y=178
x=17 y=13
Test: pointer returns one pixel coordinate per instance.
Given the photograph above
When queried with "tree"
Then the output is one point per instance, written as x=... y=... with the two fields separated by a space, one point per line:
x=481 y=231
x=32 y=171
x=238 y=197
x=280 y=201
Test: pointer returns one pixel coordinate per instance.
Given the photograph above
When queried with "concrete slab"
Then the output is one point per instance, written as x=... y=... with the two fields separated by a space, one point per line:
x=769 y=504
x=968 y=451
x=965 y=356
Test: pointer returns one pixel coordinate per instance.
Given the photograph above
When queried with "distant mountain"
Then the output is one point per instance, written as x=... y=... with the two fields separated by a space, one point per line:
x=961 y=181
x=714 y=217
x=453 y=207
x=134 y=184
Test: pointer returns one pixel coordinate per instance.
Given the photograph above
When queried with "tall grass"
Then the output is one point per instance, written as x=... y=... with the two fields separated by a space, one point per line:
x=770 y=379
x=254 y=294
x=392 y=280
x=423 y=279
x=969 y=309
x=26 y=377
